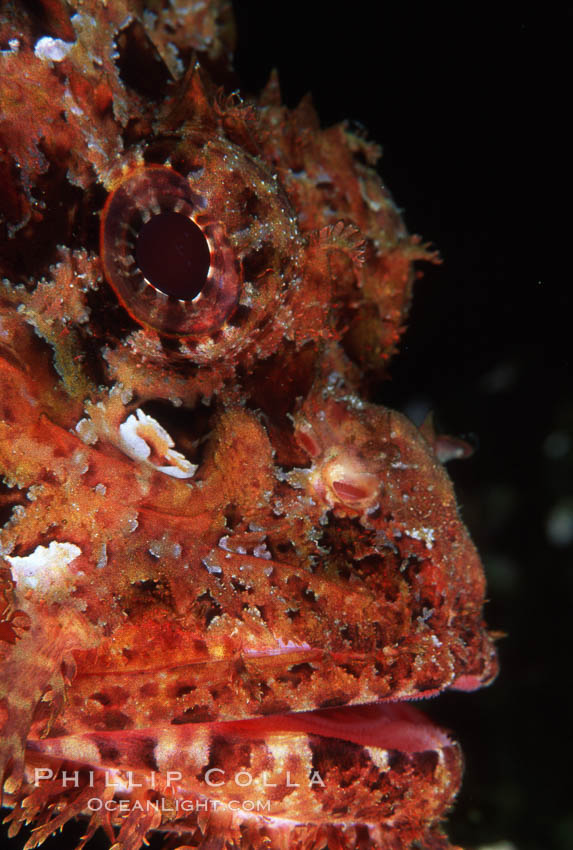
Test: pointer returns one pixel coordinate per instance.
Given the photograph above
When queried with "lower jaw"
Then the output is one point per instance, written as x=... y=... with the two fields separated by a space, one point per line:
x=383 y=768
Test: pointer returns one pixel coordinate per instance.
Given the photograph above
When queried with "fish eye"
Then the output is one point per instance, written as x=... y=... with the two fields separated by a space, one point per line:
x=166 y=258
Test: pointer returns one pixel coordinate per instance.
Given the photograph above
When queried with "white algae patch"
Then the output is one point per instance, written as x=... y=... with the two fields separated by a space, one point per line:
x=52 y=49
x=143 y=438
x=44 y=570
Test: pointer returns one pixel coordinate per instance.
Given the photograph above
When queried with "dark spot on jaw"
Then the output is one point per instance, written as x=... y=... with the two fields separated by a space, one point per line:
x=429 y=684
x=332 y=702
x=264 y=689
x=197 y=714
x=103 y=699
x=144 y=753
x=305 y=670
x=227 y=754
x=347 y=758
x=114 y=720
x=149 y=689
x=351 y=670
x=276 y=707
x=427 y=762
x=296 y=675
x=108 y=752
x=180 y=690
x=398 y=761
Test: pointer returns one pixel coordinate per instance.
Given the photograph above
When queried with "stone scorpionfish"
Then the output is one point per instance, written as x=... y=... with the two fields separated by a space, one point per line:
x=225 y=572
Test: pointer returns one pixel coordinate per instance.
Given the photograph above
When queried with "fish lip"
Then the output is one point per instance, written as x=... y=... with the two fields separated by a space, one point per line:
x=388 y=724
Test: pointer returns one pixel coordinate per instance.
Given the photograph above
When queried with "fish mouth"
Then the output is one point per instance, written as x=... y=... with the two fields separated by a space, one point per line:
x=386 y=726
x=367 y=768
x=390 y=725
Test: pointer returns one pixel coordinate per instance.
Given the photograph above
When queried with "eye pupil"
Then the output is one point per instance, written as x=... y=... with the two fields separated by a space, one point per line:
x=166 y=272
x=173 y=255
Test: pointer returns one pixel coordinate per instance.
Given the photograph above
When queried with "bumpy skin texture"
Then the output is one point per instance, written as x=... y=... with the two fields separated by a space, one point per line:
x=208 y=531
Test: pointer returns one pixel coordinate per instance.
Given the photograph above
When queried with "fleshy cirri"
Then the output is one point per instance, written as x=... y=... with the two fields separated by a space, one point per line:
x=226 y=573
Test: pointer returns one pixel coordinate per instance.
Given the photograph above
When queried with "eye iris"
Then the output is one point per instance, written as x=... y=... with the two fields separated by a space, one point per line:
x=173 y=255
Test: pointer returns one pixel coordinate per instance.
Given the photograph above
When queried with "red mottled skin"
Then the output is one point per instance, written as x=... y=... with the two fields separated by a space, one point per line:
x=218 y=554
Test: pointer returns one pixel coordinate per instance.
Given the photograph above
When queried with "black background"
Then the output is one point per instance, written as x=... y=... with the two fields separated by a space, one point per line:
x=469 y=104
